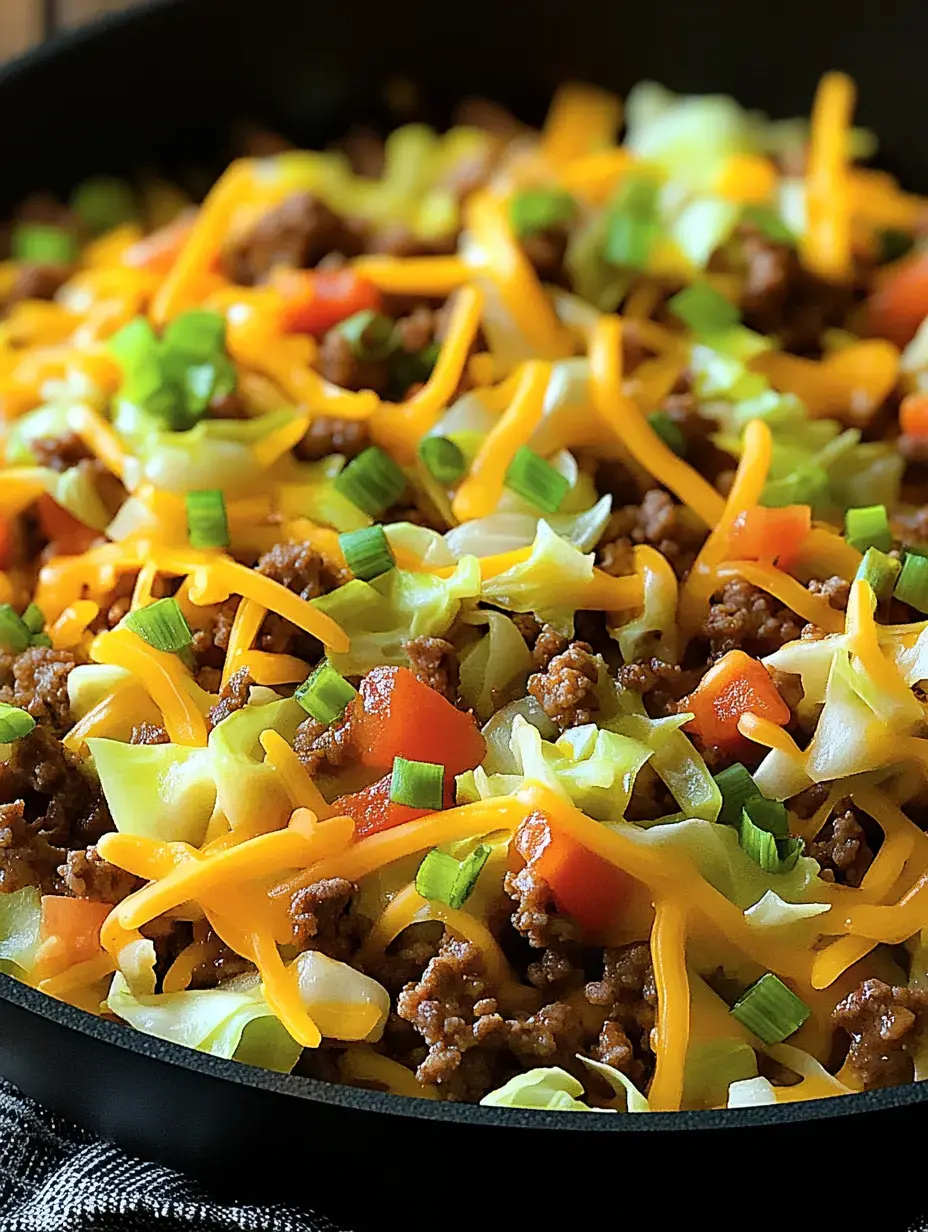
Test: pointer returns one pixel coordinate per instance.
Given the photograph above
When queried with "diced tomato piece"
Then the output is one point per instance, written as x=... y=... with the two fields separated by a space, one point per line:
x=373 y=810
x=315 y=300
x=402 y=717
x=769 y=534
x=69 y=932
x=913 y=415
x=900 y=302
x=736 y=685
x=61 y=528
x=583 y=884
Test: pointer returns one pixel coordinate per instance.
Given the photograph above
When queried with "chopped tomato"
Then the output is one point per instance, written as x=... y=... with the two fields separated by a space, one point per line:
x=69 y=932
x=158 y=252
x=736 y=685
x=373 y=810
x=402 y=717
x=315 y=300
x=769 y=534
x=69 y=536
x=913 y=415
x=6 y=543
x=900 y=302
x=583 y=884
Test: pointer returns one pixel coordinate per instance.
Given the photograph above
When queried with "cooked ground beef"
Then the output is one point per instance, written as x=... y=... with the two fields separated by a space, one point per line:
x=52 y=806
x=883 y=1023
x=219 y=964
x=658 y=520
x=85 y=874
x=340 y=365
x=546 y=251
x=435 y=662
x=37 y=681
x=660 y=684
x=35 y=282
x=536 y=916
x=566 y=689
x=59 y=453
x=327 y=435
x=324 y=748
x=544 y=641
x=835 y=589
x=297 y=233
x=149 y=733
x=321 y=919
x=232 y=696
x=841 y=847
x=628 y=994
x=743 y=617
x=300 y=568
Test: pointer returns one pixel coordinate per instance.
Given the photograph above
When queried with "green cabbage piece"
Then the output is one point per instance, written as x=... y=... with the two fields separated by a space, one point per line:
x=89 y=683
x=543 y=583
x=45 y=422
x=225 y=1022
x=506 y=532
x=498 y=733
x=381 y=616
x=493 y=665
x=20 y=917
x=551 y=1089
x=248 y=790
x=849 y=737
x=623 y=1086
x=163 y=791
x=719 y=1051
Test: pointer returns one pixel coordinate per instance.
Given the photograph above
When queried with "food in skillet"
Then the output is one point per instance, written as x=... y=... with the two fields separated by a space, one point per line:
x=463 y=617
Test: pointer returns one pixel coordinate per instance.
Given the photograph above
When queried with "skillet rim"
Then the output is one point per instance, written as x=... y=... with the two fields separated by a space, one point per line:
x=361 y=1099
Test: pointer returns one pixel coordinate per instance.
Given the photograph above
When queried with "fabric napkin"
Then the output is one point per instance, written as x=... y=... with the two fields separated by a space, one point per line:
x=55 y=1177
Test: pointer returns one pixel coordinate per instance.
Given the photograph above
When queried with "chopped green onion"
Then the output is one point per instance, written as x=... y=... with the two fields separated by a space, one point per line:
x=33 y=618
x=103 y=203
x=789 y=850
x=207 y=522
x=769 y=223
x=912 y=584
x=132 y=344
x=367 y=552
x=443 y=879
x=14 y=723
x=41 y=639
x=370 y=334
x=536 y=480
x=769 y=815
x=893 y=245
x=539 y=209
x=880 y=571
x=629 y=240
x=669 y=431
x=868 y=527
x=703 y=309
x=15 y=634
x=770 y=1010
x=162 y=625
x=737 y=788
x=325 y=693
x=417 y=784
x=442 y=458
x=637 y=195
x=372 y=481
x=38 y=244
x=198 y=334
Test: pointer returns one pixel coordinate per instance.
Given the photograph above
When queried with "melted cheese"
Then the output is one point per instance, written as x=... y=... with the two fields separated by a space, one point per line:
x=581 y=121
x=296 y=779
x=815 y=609
x=431 y=276
x=826 y=245
x=668 y=955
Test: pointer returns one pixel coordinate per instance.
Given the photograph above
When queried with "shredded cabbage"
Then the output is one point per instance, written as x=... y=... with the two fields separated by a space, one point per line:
x=545 y=582
x=506 y=532
x=494 y=665
x=553 y=1090
x=249 y=791
x=163 y=791
x=20 y=917
x=849 y=737
x=381 y=616
x=633 y=1100
x=330 y=990
x=750 y=1093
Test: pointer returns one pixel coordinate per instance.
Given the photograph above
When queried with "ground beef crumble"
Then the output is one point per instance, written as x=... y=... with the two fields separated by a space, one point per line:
x=322 y=921
x=327 y=435
x=659 y=521
x=883 y=1022
x=628 y=994
x=536 y=917
x=435 y=662
x=232 y=696
x=566 y=689
x=149 y=733
x=743 y=617
x=37 y=681
x=841 y=847
x=325 y=747
x=85 y=874
x=298 y=232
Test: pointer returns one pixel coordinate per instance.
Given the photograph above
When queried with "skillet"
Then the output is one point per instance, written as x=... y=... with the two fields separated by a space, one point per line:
x=162 y=84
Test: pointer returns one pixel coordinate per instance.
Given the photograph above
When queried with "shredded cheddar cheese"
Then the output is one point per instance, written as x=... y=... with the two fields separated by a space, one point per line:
x=826 y=245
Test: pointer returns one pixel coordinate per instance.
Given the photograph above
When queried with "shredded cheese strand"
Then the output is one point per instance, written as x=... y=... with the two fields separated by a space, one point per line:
x=296 y=779
x=246 y=625
x=826 y=245
x=668 y=955
x=581 y=121
x=815 y=609
x=432 y=276
x=164 y=678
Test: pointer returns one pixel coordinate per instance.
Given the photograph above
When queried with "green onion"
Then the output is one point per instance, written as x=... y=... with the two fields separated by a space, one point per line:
x=912 y=584
x=769 y=223
x=367 y=552
x=637 y=195
x=103 y=203
x=33 y=618
x=536 y=480
x=770 y=1010
x=764 y=835
x=162 y=625
x=38 y=244
x=41 y=639
x=325 y=693
x=417 y=784
x=893 y=245
x=703 y=310
x=14 y=723
x=880 y=571
x=868 y=527
x=199 y=334
x=132 y=344
x=539 y=209
x=370 y=334
x=207 y=523
x=15 y=634
x=629 y=240
x=442 y=458
x=372 y=481
x=443 y=879
x=737 y=788
x=669 y=431
x=769 y=815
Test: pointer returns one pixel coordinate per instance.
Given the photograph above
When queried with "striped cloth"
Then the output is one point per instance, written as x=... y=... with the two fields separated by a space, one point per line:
x=55 y=1177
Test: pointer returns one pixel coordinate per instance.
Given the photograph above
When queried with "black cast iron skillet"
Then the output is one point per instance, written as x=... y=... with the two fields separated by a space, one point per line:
x=162 y=85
